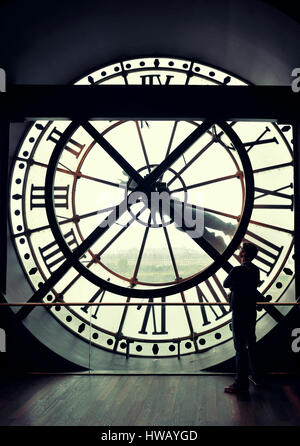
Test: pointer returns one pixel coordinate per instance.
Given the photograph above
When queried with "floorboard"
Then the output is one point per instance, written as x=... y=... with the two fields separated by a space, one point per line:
x=146 y=400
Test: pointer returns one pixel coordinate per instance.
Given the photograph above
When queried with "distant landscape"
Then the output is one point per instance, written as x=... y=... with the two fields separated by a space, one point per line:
x=156 y=264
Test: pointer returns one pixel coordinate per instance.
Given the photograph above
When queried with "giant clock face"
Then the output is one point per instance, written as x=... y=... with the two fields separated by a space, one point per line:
x=69 y=182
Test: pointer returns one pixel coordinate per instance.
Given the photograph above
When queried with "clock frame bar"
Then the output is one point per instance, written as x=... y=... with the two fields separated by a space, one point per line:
x=84 y=102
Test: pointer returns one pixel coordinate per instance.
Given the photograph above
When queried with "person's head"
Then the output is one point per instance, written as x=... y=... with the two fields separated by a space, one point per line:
x=248 y=252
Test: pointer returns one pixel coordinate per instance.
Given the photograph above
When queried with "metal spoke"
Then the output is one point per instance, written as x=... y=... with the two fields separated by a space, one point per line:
x=275 y=228
x=275 y=166
x=66 y=220
x=191 y=162
x=171 y=253
x=143 y=146
x=171 y=138
x=205 y=183
x=254 y=222
x=139 y=259
x=116 y=236
x=70 y=172
x=99 y=180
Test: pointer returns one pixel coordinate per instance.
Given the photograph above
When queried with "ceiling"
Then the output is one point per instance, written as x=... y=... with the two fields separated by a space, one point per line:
x=55 y=46
x=288 y=7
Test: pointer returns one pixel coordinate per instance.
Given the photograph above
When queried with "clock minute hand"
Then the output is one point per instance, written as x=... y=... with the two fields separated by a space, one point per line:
x=144 y=183
x=112 y=152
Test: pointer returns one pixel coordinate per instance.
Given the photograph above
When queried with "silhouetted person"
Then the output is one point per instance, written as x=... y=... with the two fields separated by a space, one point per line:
x=243 y=281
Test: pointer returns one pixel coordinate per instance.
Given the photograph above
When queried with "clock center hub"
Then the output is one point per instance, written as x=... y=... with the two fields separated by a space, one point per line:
x=161 y=187
x=157 y=193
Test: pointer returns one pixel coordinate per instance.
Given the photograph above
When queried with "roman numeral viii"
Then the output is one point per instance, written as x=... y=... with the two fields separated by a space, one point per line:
x=60 y=195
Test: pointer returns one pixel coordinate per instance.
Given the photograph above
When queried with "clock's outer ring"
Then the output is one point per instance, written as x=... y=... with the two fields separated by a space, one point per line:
x=158 y=292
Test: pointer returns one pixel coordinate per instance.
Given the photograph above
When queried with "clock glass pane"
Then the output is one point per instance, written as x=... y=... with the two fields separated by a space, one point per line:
x=143 y=247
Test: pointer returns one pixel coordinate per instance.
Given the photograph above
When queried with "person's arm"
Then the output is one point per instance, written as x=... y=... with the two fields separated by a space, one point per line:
x=229 y=281
x=258 y=278
x=259 y=296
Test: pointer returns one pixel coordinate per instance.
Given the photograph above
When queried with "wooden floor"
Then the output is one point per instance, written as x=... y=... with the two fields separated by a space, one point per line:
x=129 y=400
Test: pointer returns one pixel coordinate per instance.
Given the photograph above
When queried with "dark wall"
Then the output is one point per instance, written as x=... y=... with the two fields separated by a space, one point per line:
x=58 y=42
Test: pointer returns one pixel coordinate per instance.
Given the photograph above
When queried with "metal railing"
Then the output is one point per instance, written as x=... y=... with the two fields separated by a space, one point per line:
x=47 y=304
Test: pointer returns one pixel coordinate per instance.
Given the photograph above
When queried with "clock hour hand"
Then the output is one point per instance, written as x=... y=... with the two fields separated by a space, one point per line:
x=145 y=183
x=177 y=153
